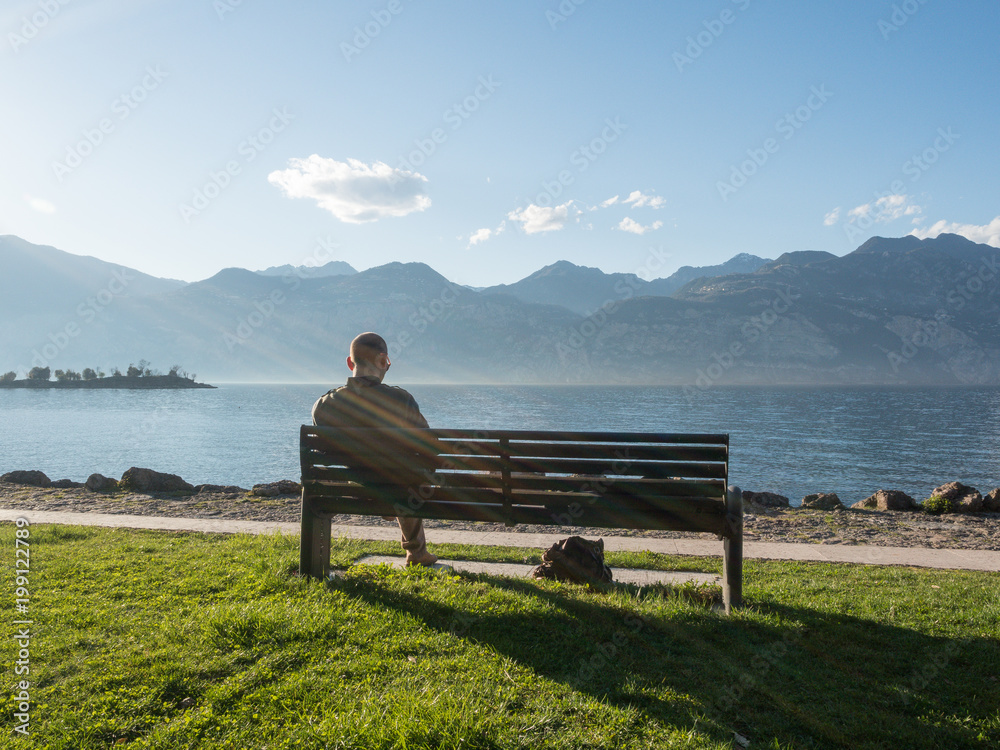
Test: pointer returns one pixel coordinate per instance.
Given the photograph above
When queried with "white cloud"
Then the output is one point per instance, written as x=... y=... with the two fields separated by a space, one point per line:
x=638 y=200
x=987 y=234
x=353 y=191
x=832 y=218
x=629 y=225
x=535 y=219
x=885 y=209
x=481 y=235
x=40 y=204
x=609 y=202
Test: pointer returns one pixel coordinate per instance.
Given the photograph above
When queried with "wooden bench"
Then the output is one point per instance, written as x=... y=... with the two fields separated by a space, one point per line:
x=616 y=480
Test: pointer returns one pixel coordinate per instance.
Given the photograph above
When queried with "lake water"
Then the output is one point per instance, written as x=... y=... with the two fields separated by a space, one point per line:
x=794 y=441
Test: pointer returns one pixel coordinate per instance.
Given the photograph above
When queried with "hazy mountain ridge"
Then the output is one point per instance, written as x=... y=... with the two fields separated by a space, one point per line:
x=45 y=279
x=741 y=263
x=583 y=289
x=893 y=311
x=333 y=268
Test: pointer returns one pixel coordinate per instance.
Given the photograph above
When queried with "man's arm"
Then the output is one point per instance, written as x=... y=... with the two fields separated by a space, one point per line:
x=415 y=415
x=321 y=412
x=411 y=412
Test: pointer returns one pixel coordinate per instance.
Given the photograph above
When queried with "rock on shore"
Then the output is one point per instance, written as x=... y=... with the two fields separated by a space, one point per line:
x=273 y=489
x=101 y=483
x=765 y=499
x=147 y=480
x=964 y=499
x=822 y=501
x=888 y=500
x=30 y=478
x=991 y=503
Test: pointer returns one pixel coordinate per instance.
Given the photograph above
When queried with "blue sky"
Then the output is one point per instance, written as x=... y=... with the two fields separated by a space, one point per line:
x=181 y=137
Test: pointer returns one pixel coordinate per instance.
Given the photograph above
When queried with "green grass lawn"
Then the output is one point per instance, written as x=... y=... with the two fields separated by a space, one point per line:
x=177 y=640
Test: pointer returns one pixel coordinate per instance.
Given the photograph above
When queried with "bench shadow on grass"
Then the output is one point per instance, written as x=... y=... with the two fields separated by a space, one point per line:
x=815 y=680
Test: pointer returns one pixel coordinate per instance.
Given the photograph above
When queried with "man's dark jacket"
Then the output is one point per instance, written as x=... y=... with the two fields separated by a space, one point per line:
x=365 y=402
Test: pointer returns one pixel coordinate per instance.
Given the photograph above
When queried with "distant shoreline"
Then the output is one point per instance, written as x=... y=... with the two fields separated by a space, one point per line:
x=142 y=382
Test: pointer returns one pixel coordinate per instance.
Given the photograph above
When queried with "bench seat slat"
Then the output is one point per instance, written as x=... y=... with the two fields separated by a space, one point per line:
x=413 y=498
x=622 y=518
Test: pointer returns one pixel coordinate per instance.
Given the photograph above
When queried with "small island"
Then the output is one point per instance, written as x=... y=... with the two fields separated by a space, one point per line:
x=136 y=377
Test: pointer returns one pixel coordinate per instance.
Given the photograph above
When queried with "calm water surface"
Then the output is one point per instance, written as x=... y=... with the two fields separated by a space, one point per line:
x=788 y=440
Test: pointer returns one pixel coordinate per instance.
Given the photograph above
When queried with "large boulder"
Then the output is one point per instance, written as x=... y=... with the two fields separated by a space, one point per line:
x=822 y=501
x=964 y=499
x=147 y=480
x=887 y=500
x=765 y=499
x=952 y=490
x=970 y=503
x=101 y=483
x=273 y=489
x=991 y=503
x=30 y=478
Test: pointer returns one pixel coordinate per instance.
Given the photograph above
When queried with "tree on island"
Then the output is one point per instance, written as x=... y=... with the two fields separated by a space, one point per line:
x=139 y=371
x=8 y=377
x=90 y=374
x=39 y=373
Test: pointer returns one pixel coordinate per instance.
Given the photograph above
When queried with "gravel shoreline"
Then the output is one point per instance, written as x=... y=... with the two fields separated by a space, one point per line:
x=851 y=527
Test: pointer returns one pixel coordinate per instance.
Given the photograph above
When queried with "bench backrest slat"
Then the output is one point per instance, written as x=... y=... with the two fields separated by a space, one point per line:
x=566 y=449
x=446 y=434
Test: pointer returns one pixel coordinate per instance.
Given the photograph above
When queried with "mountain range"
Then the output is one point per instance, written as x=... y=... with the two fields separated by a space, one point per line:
x=583 y=290
x=896 y=310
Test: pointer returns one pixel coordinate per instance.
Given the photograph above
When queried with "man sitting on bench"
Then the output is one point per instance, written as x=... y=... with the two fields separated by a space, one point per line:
x=366 y=402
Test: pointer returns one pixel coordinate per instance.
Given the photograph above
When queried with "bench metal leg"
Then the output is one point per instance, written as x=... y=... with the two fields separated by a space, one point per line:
x=314 y=542
x=732 y=552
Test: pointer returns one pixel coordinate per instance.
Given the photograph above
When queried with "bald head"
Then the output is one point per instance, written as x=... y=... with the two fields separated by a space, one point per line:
x=367 y=346
x=369 y=355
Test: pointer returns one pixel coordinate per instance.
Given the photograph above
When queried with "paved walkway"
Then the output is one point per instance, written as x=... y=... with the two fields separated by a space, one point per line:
x=868 y=555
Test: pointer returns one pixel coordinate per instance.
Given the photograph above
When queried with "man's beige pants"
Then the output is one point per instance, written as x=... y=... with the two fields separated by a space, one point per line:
x=414 y=541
